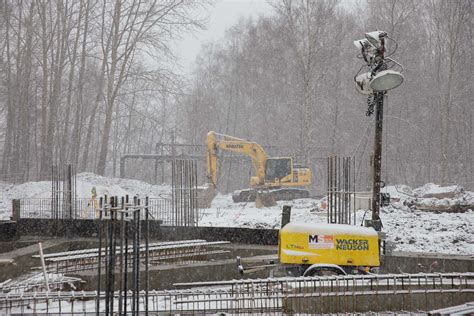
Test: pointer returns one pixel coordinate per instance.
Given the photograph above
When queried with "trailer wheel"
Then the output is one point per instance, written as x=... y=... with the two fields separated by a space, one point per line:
x=324 y=270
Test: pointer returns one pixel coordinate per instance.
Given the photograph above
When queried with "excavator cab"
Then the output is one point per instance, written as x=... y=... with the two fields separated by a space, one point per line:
x=278 y=169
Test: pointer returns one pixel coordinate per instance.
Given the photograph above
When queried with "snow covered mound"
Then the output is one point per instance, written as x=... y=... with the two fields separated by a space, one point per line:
x=431 y=190
x=433 y=197
x=84 y=184
x=117 y=186
x=398 y=192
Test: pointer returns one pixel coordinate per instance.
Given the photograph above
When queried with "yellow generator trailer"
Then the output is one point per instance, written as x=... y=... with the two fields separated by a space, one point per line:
x=318 y=249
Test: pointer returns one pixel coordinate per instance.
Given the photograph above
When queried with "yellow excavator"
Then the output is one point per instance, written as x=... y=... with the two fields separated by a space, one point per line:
x=275 y=178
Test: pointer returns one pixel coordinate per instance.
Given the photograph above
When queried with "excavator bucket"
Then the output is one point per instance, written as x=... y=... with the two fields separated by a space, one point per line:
x=205 y=195
x=264 y=199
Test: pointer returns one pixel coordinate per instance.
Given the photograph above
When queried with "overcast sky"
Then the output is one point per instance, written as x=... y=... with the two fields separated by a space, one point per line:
x=222 y=16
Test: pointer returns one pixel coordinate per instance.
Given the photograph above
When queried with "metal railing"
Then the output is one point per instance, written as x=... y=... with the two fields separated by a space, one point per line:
x=40 y=208
x=187 y=251
x=264 y=296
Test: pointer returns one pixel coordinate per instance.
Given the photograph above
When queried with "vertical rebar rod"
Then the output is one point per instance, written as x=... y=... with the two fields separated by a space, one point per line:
x=99 y=225
x=336 y=176
x=189 y=185
x=180 y=188
x=147 y=226
x=348 y=189
x=190 y=198
x=343 y=193
x=351 y=179
x=195 y=197
x=113 y=253
x=173 y=191
x=185 y=192
x=137 y=254
x=188 y=191
x=341 y=190
x=348 y=165
x=334 y=182
x=122 y=239
x=109 y=272
x=125 y=275
x=328 y=187
x=346 y=179
x=354 y=190
x=134 y=257
x=105 y=226
x=336 y=187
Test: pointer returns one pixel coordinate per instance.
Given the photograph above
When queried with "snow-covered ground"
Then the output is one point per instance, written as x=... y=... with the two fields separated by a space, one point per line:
x=406 y=221
x=84 y=184
x=408 y=229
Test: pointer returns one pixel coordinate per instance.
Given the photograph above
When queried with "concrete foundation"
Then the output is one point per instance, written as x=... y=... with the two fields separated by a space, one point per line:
x=375 y=303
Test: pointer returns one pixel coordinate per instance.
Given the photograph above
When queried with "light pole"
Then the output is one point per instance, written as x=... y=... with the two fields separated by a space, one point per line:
x=375 y=84
x=377 y=163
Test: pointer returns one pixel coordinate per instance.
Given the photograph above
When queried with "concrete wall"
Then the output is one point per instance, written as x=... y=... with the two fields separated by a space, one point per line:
x=406 y=262
x=9 y=231
x=89 y=228
x=376 y=303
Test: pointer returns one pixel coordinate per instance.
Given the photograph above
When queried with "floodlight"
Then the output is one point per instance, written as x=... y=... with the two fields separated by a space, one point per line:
x=362 y=82
x=362 y=43
x=375 y=37
x=386 y=80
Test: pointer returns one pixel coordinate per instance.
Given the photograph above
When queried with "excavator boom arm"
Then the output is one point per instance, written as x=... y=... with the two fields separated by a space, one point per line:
x=237 y=145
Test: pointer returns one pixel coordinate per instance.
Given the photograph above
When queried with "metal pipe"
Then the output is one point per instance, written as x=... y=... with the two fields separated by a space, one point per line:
x=45 y=275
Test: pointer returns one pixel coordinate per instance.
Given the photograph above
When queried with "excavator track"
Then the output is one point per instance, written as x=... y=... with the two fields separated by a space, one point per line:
x=280 y=194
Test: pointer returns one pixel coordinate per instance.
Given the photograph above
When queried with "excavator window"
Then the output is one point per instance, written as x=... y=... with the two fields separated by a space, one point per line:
x=277 y=168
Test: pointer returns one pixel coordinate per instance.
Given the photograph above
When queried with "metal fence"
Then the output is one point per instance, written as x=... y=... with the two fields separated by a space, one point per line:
x=41 y=208
x=269 y=296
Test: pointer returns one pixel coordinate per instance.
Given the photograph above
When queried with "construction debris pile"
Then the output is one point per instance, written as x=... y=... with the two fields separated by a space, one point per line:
x=432 y=197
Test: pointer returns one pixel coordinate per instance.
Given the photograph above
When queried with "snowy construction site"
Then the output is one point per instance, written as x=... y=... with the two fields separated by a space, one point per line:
x=84 y=243
x=283 y=157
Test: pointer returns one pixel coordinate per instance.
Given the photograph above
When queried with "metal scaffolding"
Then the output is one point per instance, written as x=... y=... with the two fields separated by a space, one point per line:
x=35 y=282
x=275 y=296
x=88 y=259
